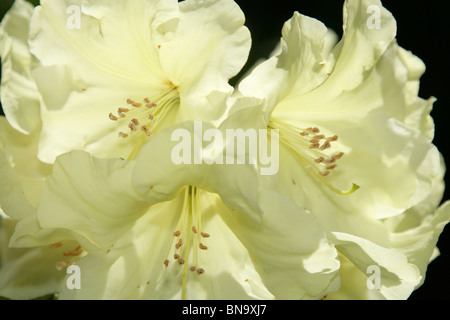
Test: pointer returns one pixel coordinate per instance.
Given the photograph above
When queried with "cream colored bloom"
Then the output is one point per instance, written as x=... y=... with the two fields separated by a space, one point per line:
x=355 y=144
x=127 y=70
x=157 y=230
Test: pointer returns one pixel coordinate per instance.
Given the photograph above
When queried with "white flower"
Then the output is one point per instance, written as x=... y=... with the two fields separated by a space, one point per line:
x=131 y=69
x=356 y=142
x=157 y=230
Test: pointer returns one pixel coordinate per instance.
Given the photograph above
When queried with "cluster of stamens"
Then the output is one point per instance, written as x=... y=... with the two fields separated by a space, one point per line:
x=70 y=255
x=320 y=142
x=134 y=124
x=178 y=256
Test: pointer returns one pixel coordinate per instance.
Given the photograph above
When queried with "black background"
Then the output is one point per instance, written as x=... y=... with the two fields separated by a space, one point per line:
x=423 y=28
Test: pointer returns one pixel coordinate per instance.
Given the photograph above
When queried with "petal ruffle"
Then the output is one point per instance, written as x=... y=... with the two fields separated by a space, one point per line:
x=22 y=173
x=19 y=95
x=397 y=277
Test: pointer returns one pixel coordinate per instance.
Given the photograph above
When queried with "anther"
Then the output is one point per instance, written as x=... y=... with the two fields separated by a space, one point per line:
x=75 y=252
x=204 y=234
x=325 y=145
x=331 y=166
x=333 y=138
x=146 y=130
x=181 y=261
x=62 y=264
x=324 y=173
x=136 y=104
x=194 y=229
x=318 y=137
x=313 y=130
x=176 y=256
x=319 y=160
x=123 y=134
x=166 y=262
x=56 y=245
x=129 y=101
x=339 y=155
x=202 y=246
x=193 y=268
x=122 y=111
x=113 y=117
x=200 y=271
x=330 y=160
x=132 y=126
x=179 y=243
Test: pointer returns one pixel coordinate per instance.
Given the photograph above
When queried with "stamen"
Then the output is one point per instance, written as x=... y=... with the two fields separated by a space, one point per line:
x=75 y=252
x=339 y=155
x=179 y=244
x=333 y=138
x=122 y=111
x=313 y=149
x=62 y=264
x=146 y=130
x=325 y=145
x=200 y=271
x=319 y=160
x=56 y=245
x=330 y=160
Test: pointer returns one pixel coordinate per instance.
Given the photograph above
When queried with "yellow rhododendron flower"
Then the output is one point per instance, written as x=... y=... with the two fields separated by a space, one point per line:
x=356 y=144
x=127 y=69
x=99 y=97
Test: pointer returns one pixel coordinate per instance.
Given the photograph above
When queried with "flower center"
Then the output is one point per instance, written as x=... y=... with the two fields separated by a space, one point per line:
x=188 y=234
x=142 y=117
x=314 y=149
